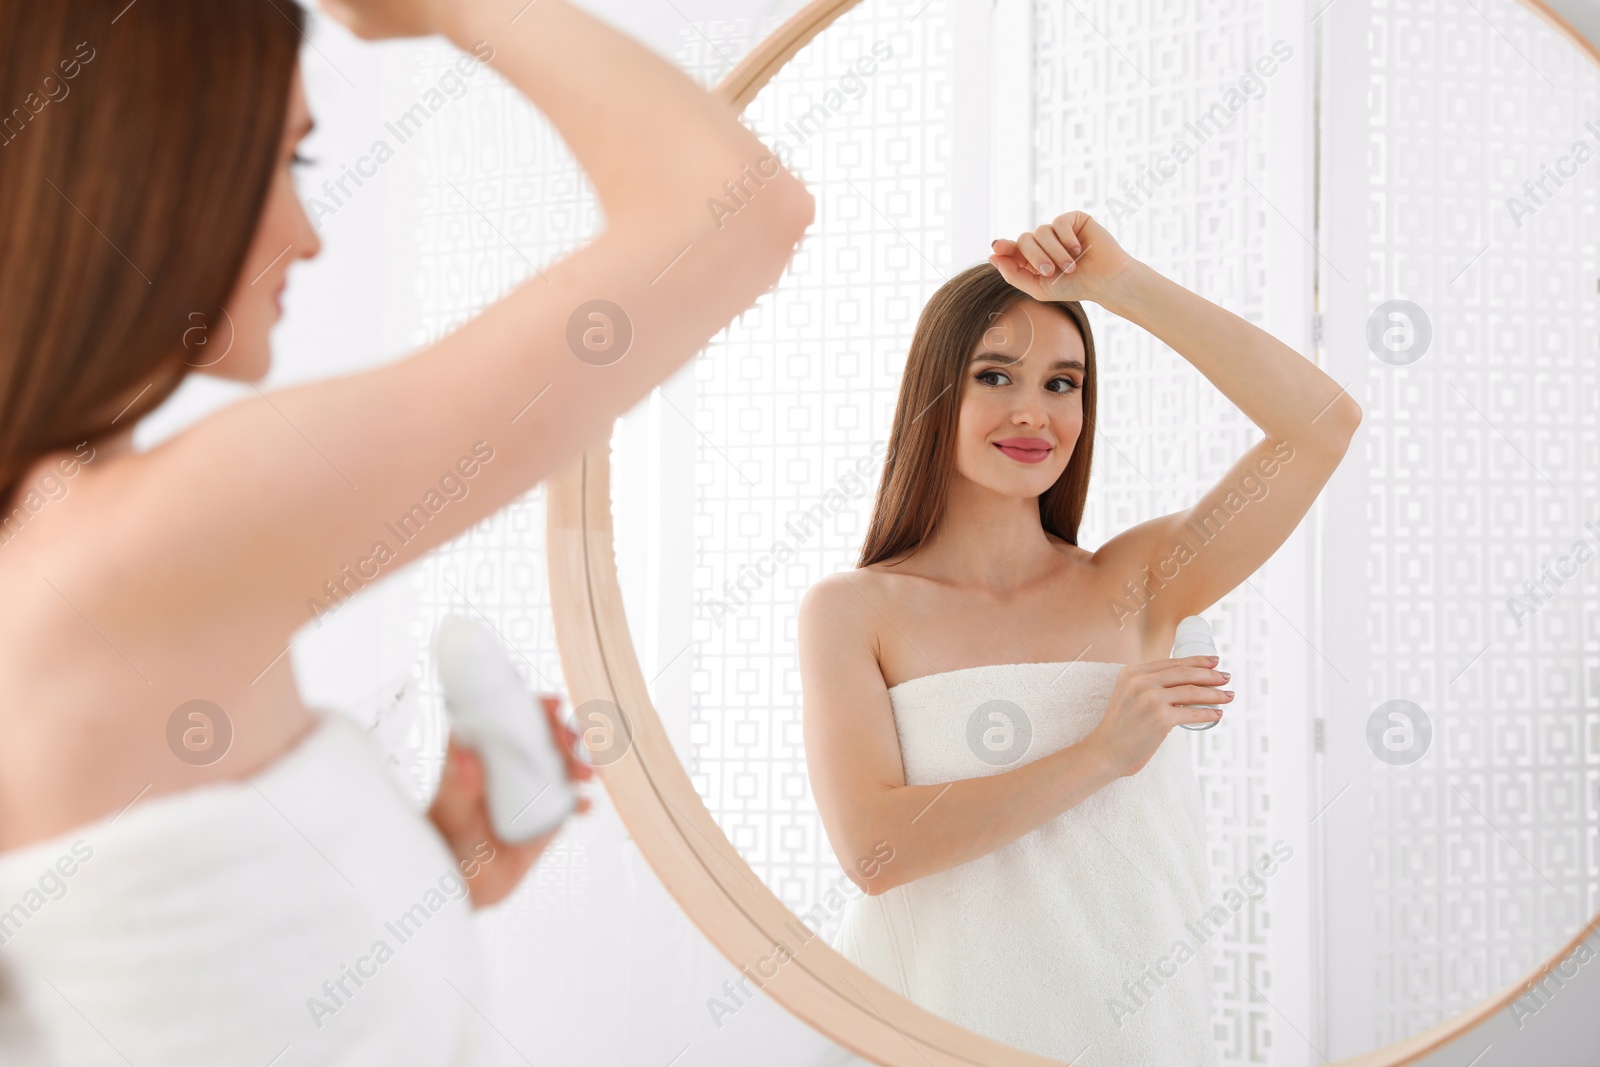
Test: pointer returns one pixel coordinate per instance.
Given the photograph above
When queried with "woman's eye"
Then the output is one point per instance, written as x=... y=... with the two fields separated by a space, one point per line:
x=985 y=376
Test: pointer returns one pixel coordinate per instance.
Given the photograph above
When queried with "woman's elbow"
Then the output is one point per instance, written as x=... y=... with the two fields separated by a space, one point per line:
x=873 y=870
x=796 y=207
x=872 y=887
x=789 y=213
x=1347 y=414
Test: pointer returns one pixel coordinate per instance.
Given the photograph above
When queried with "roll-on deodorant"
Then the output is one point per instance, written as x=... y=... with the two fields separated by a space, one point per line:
x=492 y=711
x=1194 y=639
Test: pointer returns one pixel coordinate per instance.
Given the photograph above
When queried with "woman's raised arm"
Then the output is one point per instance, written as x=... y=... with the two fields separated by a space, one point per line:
x=259 y=513
x=1184 y=562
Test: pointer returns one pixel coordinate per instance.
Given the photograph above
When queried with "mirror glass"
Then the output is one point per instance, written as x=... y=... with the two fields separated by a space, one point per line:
x=1400 y=807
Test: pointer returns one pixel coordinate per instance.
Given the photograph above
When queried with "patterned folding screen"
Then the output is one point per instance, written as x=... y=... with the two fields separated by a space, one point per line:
x=1143 y=121
x=1460 y=270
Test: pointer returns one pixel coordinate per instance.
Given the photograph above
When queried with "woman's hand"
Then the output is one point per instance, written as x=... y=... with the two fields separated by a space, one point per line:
x=374 y=20
x=1072 y=258
x=1148 y=701
x=492 y=867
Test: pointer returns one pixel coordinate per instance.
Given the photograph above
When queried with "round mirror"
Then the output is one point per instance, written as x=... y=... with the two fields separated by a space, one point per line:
x=1398 y=809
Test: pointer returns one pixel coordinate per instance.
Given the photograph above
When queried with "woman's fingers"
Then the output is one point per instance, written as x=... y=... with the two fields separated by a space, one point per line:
x=1018 y=276
x=1157 y=665
x=1055 y=248
x=461 y=813
x=1035 y=255
x=468 y=769
x=1197 y=694
x=1197 y=703
x=1197 y=714
x=1014 y=254
x=567 y=738
x=1042 y=259
x=460 y=810
x=460 y=791
x=1007 y=256
x=1043 y=251
x=1065 y=227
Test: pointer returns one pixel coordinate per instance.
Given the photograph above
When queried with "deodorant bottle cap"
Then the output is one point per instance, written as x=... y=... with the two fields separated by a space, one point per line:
x=1193 y=638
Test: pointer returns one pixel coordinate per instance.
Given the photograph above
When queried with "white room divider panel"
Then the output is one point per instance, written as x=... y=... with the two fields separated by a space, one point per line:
x=1454 y=868
x=1155 y=118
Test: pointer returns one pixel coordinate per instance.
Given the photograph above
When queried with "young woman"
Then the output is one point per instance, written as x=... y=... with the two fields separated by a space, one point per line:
x=163 y=901
x=989 y=706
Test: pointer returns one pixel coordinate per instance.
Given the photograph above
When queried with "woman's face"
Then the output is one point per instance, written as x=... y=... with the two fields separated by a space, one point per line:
x=1021 y=400
x=237 y=348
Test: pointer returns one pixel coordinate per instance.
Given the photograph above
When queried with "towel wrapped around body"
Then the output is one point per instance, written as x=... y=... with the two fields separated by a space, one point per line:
x=1086 y=939
x=308 y=914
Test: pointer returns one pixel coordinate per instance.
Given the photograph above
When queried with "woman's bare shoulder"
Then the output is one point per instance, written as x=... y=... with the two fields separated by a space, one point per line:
x=835 y=597
x=839 y=640
x=853 y=592
x=844 y=614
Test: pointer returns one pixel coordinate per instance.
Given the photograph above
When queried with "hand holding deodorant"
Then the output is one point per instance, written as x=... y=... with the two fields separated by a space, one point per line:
x=492 y=711
x=1194 y=639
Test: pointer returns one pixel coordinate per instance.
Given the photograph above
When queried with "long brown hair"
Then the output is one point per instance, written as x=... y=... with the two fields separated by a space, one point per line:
x=922 y=443
x=135 y=160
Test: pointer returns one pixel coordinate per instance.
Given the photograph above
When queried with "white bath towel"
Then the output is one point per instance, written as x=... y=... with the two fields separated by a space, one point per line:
x=306 y=915
x=1085 y=939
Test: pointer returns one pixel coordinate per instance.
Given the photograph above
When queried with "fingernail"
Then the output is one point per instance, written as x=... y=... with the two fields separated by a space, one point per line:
x=1225 y=675
x=1213 y=659
x=993 y=243
x=1229 y=692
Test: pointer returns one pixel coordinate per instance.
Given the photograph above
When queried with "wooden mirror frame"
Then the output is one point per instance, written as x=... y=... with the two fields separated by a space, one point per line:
x=669 y=822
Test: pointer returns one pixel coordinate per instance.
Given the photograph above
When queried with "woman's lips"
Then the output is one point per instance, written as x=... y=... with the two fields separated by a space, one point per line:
x=1025 y=455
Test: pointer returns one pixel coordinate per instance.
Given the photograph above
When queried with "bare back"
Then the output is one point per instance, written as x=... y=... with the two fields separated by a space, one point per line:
x=84 y=713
